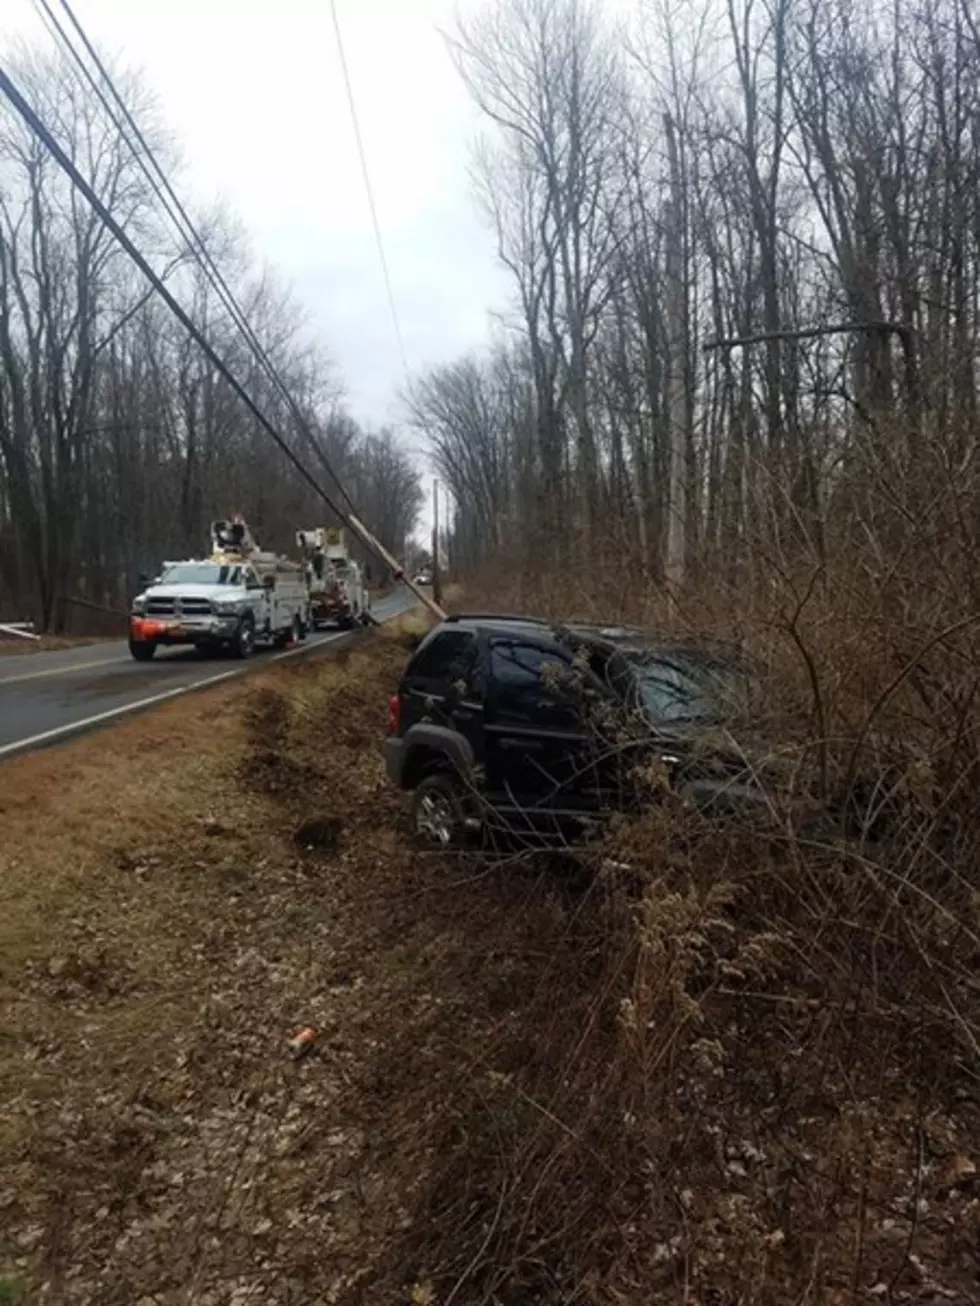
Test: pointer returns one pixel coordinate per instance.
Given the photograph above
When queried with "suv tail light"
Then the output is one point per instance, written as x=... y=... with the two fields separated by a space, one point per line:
x=394 y=713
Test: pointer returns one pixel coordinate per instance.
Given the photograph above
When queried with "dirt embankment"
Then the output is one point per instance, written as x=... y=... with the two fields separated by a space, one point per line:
x=530 y=1084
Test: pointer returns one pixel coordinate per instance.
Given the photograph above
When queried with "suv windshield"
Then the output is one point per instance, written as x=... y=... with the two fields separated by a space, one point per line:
x=201 y=573
x=673 y=690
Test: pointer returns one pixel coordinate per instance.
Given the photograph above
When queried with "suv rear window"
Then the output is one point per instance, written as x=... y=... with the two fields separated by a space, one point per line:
x=517 y=667
x=529 y=681
x=451 y=655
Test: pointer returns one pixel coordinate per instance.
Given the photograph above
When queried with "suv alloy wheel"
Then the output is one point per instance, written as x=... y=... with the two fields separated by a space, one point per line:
x=437 y=811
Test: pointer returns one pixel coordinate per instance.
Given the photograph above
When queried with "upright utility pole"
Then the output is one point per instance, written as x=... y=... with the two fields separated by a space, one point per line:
x=447 y=527
x=436 y=576
x=677 y=407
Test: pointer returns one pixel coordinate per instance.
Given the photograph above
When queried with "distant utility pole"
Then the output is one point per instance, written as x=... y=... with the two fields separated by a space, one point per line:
x=436 y=576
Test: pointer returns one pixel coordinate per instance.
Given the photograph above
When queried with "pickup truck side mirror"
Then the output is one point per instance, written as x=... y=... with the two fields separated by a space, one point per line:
x=269 y=583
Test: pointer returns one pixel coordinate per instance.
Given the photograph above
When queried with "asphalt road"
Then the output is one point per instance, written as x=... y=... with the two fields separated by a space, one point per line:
x=48 y=697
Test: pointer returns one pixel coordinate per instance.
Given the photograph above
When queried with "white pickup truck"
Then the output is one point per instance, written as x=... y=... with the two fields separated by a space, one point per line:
x=235 y=599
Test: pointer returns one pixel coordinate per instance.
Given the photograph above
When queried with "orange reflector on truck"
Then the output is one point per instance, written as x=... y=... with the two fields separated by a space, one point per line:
x=141 y=629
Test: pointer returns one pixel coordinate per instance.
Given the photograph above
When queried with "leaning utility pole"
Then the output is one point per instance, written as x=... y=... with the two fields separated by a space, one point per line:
x=676 y=399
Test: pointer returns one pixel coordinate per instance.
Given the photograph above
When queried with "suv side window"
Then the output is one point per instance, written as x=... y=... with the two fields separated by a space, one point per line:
x=527 y=683
x=450 y=656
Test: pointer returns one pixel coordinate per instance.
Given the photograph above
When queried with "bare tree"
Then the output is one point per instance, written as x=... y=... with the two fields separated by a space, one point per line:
x=546 y=73
x=119 y=441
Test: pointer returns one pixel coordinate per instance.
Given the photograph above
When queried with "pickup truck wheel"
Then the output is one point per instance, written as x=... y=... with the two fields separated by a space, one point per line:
x=437 y=812
x=142 y=649
x=286 y=638
x=243 y=645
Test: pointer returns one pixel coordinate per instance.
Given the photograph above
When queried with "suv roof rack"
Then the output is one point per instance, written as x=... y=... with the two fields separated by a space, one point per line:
x=497 y=616
x=602 y=627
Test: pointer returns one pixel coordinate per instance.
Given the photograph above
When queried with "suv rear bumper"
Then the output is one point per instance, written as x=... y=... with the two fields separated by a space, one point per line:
x=395 y=759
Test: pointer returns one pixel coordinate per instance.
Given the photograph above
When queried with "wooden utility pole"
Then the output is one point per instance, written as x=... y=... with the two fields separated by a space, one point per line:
x=436 y=576
x=447 y=531
x=677 y=406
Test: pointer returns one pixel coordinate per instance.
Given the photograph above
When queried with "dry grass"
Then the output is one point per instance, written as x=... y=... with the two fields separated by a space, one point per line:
x=770 y=1093
x=159 y=944
x=181 y=895
x=744 y=1076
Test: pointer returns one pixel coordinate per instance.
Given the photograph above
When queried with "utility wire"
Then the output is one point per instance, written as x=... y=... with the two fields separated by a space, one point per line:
x=151 y=169
x=365 y=172
x=37 y=126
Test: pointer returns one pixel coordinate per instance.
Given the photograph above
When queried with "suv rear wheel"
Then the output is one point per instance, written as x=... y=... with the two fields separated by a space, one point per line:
x=437 y=811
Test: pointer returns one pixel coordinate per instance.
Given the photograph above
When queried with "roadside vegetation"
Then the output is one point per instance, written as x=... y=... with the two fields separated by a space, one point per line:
x=741 y=1070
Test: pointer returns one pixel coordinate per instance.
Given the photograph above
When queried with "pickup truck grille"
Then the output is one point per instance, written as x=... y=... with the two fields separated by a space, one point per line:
x=178 y=608
x=194 y=607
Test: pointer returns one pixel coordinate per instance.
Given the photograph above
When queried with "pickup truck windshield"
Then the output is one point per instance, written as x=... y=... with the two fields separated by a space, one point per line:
x=201 y=573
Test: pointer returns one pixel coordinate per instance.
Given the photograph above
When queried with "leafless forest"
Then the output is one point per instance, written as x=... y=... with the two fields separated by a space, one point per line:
x=118 y=439
x=736 y=394
x=741 y=170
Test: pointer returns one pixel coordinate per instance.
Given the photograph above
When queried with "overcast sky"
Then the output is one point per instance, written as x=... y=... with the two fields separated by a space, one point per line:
x=254 y=91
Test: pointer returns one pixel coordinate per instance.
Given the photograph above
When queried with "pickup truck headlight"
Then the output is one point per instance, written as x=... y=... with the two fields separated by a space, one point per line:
x=139 y=606
x=226 y=607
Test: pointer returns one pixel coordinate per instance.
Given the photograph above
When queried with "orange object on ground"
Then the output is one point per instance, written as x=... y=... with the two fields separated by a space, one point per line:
x=303 y=1042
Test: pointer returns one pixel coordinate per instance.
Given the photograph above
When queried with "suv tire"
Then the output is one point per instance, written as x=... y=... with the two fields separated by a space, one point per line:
x=243 y=645
x=438 y=816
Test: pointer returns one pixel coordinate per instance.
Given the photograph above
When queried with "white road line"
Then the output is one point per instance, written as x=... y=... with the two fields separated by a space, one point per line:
x=59 y=671
x=46 y=736
x=60 y=732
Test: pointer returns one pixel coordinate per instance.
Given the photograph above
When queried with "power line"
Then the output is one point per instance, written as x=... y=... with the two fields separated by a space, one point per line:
x=40 y=130
x=164 y=191
x=67 y=166
x=365 y=172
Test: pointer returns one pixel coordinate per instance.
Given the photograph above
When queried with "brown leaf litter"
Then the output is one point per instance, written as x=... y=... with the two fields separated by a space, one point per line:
x=522 y=1087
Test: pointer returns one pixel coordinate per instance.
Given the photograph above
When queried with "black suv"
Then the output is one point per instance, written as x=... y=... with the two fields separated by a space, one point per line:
x=542 y=730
